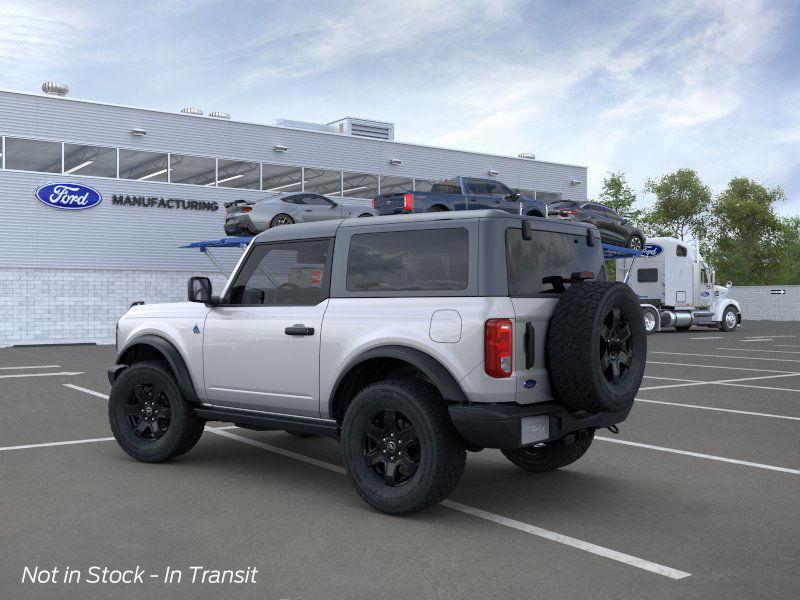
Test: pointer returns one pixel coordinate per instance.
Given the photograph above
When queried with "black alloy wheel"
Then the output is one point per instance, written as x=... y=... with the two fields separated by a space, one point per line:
x=615 y=346
x=148 y=411
x=391 y=447
x=282 y=219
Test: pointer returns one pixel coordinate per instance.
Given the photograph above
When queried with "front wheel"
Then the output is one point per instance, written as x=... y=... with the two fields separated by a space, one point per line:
x=729 y=320
x=635 y=243
x=651 y=317
x=400 y=448
x=150 y=418
x=554 y=455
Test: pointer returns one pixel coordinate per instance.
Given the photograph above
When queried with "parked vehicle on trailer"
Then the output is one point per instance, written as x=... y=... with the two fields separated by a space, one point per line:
x=677 y=288
x=461 y=193
x=249 y=217
x=411 y=339
x=614 y=228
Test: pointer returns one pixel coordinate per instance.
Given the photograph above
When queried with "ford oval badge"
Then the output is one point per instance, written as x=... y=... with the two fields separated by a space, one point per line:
x=652 y=250
x=68 y=196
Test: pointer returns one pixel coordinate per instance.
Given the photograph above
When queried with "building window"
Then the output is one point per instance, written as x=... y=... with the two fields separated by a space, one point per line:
x=396 y=185
x=144 y=166
x=280 y=178
x=194 y=170
x=360 y=185
x=237 y=174
x=321 y=181
x=423 y=185
x=96 y=161
x=33 y=155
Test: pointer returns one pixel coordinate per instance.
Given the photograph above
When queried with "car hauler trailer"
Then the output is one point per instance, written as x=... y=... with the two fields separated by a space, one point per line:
x=676 y=288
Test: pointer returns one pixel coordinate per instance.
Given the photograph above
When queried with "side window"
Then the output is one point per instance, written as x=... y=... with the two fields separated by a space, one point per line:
x=495 y=188
x=704 y=276
x=647 y=275
x=432 y=259
x=476 y=186
x=445 y=186
x=316 y=200
x=681 y=251
x=298 y=199
x=284 y=273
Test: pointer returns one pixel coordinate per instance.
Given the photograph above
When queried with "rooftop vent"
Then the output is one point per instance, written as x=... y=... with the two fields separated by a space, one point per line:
x=377 y=130
x=192 y=111
x=51 y=88
x=219 y=115
x=303 y=125
x=527 y=155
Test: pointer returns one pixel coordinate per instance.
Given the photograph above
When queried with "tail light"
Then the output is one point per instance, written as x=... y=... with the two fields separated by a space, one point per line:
x=246 y=209
x=408 y=202
x=568 y=212
x=498 y=348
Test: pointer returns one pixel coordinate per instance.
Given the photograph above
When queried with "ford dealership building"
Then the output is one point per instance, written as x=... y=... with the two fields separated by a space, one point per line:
x=97 y=199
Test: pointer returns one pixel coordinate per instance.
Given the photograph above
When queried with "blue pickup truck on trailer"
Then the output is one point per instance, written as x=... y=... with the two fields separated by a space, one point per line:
x=461 y=193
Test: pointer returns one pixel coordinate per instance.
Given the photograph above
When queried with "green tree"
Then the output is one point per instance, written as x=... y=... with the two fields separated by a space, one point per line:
x=617 y=194
x=680 y=207
x=750 y=243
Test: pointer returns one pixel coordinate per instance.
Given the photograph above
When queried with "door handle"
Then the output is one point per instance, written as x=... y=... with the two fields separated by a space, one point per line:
x=307 y=209
x=299 y=330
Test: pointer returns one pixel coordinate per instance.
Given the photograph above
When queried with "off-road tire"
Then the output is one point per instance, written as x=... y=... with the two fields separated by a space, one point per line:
x=575 y=347
x=723 y=326
x=550 y=456
x=441 y=451
x=184 y=428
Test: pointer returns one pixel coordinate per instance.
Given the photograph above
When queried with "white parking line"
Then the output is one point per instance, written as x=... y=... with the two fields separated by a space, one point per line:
x=727 y=410
x=787 y=346
x=16 y=375
x=49 y=444
x=718 y=382
x=759 y=340
x=31 y=367
x=700 y=455
x=708 y=337
x=482 y=514
x=657 y=362
x=668 y=379
x=759 y=387
x=634 y=561
x=725 y=356
x=759 y=350
x=84 y=390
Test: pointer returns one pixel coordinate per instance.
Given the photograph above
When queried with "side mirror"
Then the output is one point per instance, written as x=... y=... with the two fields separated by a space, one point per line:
x=729 y=285
x=199 y=289
x=334 y=204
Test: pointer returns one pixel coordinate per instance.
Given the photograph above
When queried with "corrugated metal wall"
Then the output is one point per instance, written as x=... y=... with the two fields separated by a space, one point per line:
x=123 y=237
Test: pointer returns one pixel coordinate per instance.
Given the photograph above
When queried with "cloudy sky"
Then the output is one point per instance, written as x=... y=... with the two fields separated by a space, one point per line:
x=641 y=87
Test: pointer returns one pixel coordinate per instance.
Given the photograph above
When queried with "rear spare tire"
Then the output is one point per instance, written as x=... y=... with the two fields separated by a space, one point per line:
x=597 y=346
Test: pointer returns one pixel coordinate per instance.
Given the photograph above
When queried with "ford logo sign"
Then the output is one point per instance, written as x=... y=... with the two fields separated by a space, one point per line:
x=652 y=250
x=705 y=293
x=68 y=196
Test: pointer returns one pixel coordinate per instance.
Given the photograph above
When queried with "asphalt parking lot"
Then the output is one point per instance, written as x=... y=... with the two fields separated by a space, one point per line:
x=697 y=497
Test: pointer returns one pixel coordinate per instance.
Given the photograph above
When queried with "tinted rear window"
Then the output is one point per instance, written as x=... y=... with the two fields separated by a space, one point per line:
x=446 y=187
x=433 y=259
x=547 y=255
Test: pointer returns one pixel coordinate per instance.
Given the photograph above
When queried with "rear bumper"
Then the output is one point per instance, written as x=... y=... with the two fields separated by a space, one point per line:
x=508 y=426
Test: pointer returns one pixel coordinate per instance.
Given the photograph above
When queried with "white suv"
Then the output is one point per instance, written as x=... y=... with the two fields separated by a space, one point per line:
x=410 y=338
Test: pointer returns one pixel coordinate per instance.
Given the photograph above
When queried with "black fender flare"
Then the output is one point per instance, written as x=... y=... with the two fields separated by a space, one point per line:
x=436 y=373
x=168 y=350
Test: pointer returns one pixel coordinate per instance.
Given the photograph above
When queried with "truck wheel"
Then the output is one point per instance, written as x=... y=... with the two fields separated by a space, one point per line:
x=650 y=320
x=729 y=320
x=400 y=448
x=597 y=346
x=150 y=418
x=551 y=456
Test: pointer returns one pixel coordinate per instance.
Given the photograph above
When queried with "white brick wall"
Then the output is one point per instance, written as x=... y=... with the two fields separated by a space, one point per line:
x=64 y=306
x=759 y=304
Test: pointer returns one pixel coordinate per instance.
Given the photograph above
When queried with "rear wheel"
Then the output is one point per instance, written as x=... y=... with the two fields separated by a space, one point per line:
x=635 y=243
x=281 y=219
x=729 y=320
x=548 y=457
x=438 y=208
x=150 y=418
x=400 y=448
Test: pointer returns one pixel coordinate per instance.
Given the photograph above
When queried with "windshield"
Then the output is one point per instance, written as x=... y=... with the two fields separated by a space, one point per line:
x=546 y=263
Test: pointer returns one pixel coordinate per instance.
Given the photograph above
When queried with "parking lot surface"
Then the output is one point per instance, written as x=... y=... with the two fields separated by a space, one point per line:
x=697 y=497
